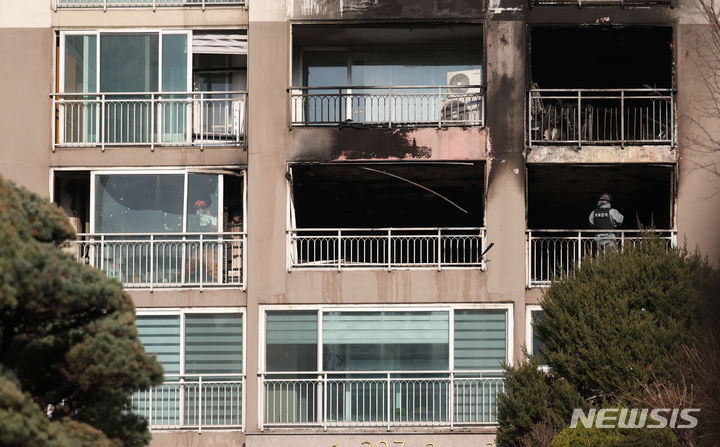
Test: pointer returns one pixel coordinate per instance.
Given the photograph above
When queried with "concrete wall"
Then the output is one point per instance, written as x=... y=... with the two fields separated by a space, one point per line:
x=698 y=209
x=25 y=115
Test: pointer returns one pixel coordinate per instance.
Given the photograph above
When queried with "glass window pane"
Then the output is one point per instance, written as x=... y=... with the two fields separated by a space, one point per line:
x=174 y=63
x=480 y=341
x=385 y=341
x=80 y=64
x=291 y=341
x=160 y=335
x=139 y=203
x=129 y=62
x=537 y=315
x=213 y=344
x=202 y=203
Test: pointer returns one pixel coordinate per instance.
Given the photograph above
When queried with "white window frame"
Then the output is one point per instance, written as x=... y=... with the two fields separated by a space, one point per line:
x=529 y=309
x=99 y=32
x=320 y=309
x=182 y=312
x=185 y=172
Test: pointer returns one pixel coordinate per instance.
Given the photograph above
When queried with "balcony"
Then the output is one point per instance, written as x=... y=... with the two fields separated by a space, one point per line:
x=144 y=3
x=392 y=106
x=196 y=119
x=618 y=117
x=380 y=399
x=193 y=403
x=166 y=260
x=555 y=254
x=386 y=248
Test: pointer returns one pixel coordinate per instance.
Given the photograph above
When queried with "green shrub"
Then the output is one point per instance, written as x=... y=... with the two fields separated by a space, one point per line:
x=603 y=437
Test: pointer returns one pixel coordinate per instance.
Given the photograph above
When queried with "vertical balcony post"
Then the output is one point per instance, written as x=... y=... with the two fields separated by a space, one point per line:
x=152 y=115
x=390 y=108
x=451 y=404
x=530 y=117
x=201 y=261
x=200 y=404
x=529 y=258
x=579 y=249
x=579 y=118
x=152 y=261
x=102 y=122
x=339 y=249
x=324 y=403
x=150 y=406
x=202 y=120
x=622 y=119
x=439 y=248
x=389 y=407
x=439 y=109
x=389 y=249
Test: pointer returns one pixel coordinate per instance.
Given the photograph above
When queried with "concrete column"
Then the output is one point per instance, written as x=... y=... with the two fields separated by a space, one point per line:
x=268 y=79
x=505 y=217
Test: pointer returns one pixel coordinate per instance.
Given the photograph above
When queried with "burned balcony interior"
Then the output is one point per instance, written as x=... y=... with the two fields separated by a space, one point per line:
x=601 y=85
x=155 y=229
x=161 y=88
x=561 y=198
x=386 y=215
x=387 y=75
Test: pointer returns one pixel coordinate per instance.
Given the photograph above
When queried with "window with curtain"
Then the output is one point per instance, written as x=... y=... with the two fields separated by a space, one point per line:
x=212 y=346
x=386 y=340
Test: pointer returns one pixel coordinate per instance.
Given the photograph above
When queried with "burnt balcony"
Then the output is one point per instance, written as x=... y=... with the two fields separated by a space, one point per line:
x=585 y=117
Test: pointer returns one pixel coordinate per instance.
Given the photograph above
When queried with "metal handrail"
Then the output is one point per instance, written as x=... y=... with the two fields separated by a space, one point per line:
x=166 y=260
x=601 y=116
x=193 y=401
x=386 y=248
x=391 y=106
x=147 y=3
x=555 y=253
x=320 y=399
x=152 y=119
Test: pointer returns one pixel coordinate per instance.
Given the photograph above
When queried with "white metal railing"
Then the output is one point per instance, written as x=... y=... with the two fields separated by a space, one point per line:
x=554 y=254
x=390 y=248
x=144 y=3
x=602 y=2
x=166 y=259
x=380 y=398
x=150 y=119
x=388 y=106
x=193 y=402
x=601 y=116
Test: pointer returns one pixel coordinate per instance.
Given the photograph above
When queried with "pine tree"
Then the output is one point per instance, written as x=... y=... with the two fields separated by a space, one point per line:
x=70 y=357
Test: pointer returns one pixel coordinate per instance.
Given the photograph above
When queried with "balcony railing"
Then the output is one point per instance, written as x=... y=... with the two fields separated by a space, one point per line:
x=144 y=3
x=620 y=3
x=193 y=402
x=394 y=106
x=554 y=254
x=380 y=399
x=150 y=119
x=388 y=248
x=194 y=260
x=601 y=117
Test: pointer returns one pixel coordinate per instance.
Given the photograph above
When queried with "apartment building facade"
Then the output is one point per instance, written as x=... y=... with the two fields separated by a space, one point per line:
x=337 y=218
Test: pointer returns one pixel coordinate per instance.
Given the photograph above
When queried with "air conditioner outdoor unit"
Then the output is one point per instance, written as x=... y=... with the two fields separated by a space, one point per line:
x=462 y=102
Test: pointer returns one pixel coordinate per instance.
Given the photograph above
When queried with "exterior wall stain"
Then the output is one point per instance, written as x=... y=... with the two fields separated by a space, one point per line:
x=458 y=143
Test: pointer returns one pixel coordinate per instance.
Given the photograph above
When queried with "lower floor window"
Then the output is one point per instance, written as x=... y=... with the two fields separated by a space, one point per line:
x=202 y=358
x=365 y=367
